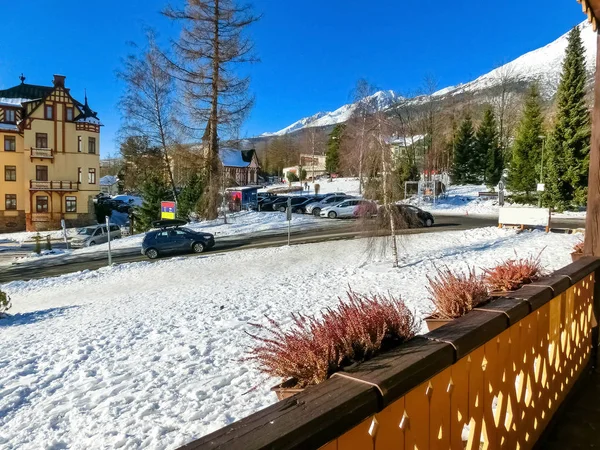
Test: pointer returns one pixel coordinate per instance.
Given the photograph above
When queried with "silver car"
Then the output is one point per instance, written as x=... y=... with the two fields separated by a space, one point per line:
x=94 y=235
x=315 y=208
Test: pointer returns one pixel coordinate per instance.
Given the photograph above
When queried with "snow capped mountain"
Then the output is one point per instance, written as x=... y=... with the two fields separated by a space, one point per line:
x=543 y=65
x=382 y=100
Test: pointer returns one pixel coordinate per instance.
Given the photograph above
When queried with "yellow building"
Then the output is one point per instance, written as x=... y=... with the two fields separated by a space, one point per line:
x=50 y=156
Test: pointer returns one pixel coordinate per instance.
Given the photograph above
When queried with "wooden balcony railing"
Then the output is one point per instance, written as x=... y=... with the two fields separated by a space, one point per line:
x=53 y=185
x=44 y=153
x=492 y=379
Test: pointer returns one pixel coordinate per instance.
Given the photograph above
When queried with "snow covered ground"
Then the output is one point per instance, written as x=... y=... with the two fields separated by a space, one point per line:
x=149 y=355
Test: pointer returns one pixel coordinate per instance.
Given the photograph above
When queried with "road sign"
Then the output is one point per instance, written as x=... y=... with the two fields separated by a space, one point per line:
x=167 y=210
x=289 y=217
x=541 y=187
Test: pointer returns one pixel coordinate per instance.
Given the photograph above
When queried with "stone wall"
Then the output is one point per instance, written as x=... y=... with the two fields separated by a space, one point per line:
x=11 y=223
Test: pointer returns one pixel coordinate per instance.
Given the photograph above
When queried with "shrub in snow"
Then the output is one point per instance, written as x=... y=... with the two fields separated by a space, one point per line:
x=314 y=348
x=48 y=243
x=578 y=248
x=456 y=293
x=4 y=303
x=513 y=273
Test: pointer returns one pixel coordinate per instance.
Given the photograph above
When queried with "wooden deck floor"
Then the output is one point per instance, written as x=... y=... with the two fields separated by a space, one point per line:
x=579 y=426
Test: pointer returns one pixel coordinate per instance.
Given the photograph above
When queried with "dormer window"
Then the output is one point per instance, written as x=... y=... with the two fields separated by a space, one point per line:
x=9 y=115
x=49 y=112
x=69 y=114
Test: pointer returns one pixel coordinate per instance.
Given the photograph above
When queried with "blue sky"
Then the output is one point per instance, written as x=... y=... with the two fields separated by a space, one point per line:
x=312 y=52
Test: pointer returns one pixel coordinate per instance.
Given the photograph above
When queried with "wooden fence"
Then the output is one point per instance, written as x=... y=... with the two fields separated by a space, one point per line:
x=492 y=379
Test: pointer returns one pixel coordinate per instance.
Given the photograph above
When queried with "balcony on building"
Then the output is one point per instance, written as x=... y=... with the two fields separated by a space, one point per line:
x=41 y=153
x=59 y=186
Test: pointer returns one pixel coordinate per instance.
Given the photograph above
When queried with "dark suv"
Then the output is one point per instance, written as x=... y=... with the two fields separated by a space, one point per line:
x=174 y=239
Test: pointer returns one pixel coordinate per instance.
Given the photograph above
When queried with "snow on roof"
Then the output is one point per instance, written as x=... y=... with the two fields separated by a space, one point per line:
x=8 y=127
x=231 y=157
x=108 y=180
x=93 y=120
x=18 y=102
x=408 y=140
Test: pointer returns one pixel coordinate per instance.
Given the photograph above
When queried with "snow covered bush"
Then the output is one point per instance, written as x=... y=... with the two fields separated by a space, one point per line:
x=513 y=273
x=456 y=293
x=4 y=303
x=314 y=348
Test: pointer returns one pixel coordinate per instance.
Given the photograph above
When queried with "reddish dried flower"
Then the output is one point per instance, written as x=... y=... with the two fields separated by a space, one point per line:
x=455 y=293
x=313 y=349
x=513 y=273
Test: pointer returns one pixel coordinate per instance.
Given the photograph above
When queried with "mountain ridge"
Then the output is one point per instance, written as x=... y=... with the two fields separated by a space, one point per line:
x=543 y=65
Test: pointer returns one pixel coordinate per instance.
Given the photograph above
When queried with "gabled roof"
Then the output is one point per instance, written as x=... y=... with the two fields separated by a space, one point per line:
x=231 y=157
x=27 y=92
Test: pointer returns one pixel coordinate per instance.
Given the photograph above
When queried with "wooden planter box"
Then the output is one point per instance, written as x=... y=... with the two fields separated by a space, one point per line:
x=575 y=256
x=434 y=324
x=286 y=389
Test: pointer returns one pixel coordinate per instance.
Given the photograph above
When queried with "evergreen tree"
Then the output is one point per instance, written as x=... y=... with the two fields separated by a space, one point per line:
x=488 y=155
x=569 y=143
x=154 y=191
x=189 y=197
x=332 y=156
x=527 y=148
x=464 y=147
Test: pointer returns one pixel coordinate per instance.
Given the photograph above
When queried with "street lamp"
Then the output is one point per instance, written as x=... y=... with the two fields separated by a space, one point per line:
x=543 y=138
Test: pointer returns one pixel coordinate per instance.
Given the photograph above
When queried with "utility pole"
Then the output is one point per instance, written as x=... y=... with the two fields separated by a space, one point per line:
x=541 y=172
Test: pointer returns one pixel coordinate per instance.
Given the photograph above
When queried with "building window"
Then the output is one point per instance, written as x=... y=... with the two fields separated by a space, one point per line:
x=10 y=143
x=10 y=173
x=49 y=112
x=92 y=145
x=41 y=173
x=92 y=176
x=9 y=115
x=10 y=202
x=70 y=204
x=79 y=144
x=79 y=180
x=41 y=204
x=69 y=114
x=41 y=140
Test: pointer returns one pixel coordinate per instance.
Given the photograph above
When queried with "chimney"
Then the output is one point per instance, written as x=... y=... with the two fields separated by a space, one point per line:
x=59 y=81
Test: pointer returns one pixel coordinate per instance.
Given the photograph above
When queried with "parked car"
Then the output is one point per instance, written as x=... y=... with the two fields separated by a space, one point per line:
x=94 y=235
x=409 y=216
x=349 y=208
x=300 y=208
x=171 y=237
x=267 y=204
x=315 y=208
x=281 y=205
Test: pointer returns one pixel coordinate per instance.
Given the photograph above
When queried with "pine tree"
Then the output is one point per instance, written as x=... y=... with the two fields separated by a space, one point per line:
x=154 y=191
x=487 y=149
x=569 y=143
x=189 y=197
x=332 y=156
x=464 y=146
x=527 y=148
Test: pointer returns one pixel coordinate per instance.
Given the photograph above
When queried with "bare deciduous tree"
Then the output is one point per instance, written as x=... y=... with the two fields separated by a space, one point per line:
x=504 y=101
x=211 y=45
x=147 y=104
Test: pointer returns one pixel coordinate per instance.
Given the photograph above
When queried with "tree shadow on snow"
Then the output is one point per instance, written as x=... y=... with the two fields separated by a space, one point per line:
x=15 y=320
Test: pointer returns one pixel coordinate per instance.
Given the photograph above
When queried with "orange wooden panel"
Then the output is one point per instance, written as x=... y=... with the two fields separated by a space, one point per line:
x=475 y=415
x=505 y=371
x=440 y=411
x=416 y=433
x=331 y=446
x=459 y=401
x=390 y=436
x=492 y=376
x=357 y=438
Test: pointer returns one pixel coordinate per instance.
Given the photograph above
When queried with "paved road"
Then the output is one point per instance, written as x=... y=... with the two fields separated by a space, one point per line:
x=331 y=230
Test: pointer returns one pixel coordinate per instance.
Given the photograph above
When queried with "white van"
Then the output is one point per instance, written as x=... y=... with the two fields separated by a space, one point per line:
x=94 y=235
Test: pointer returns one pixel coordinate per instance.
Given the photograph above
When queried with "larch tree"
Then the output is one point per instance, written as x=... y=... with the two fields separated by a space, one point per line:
x=464 y=148
x=488 y=149
x=147 y=104
x=212 y=44
x=569 y=143
x=527 y=148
